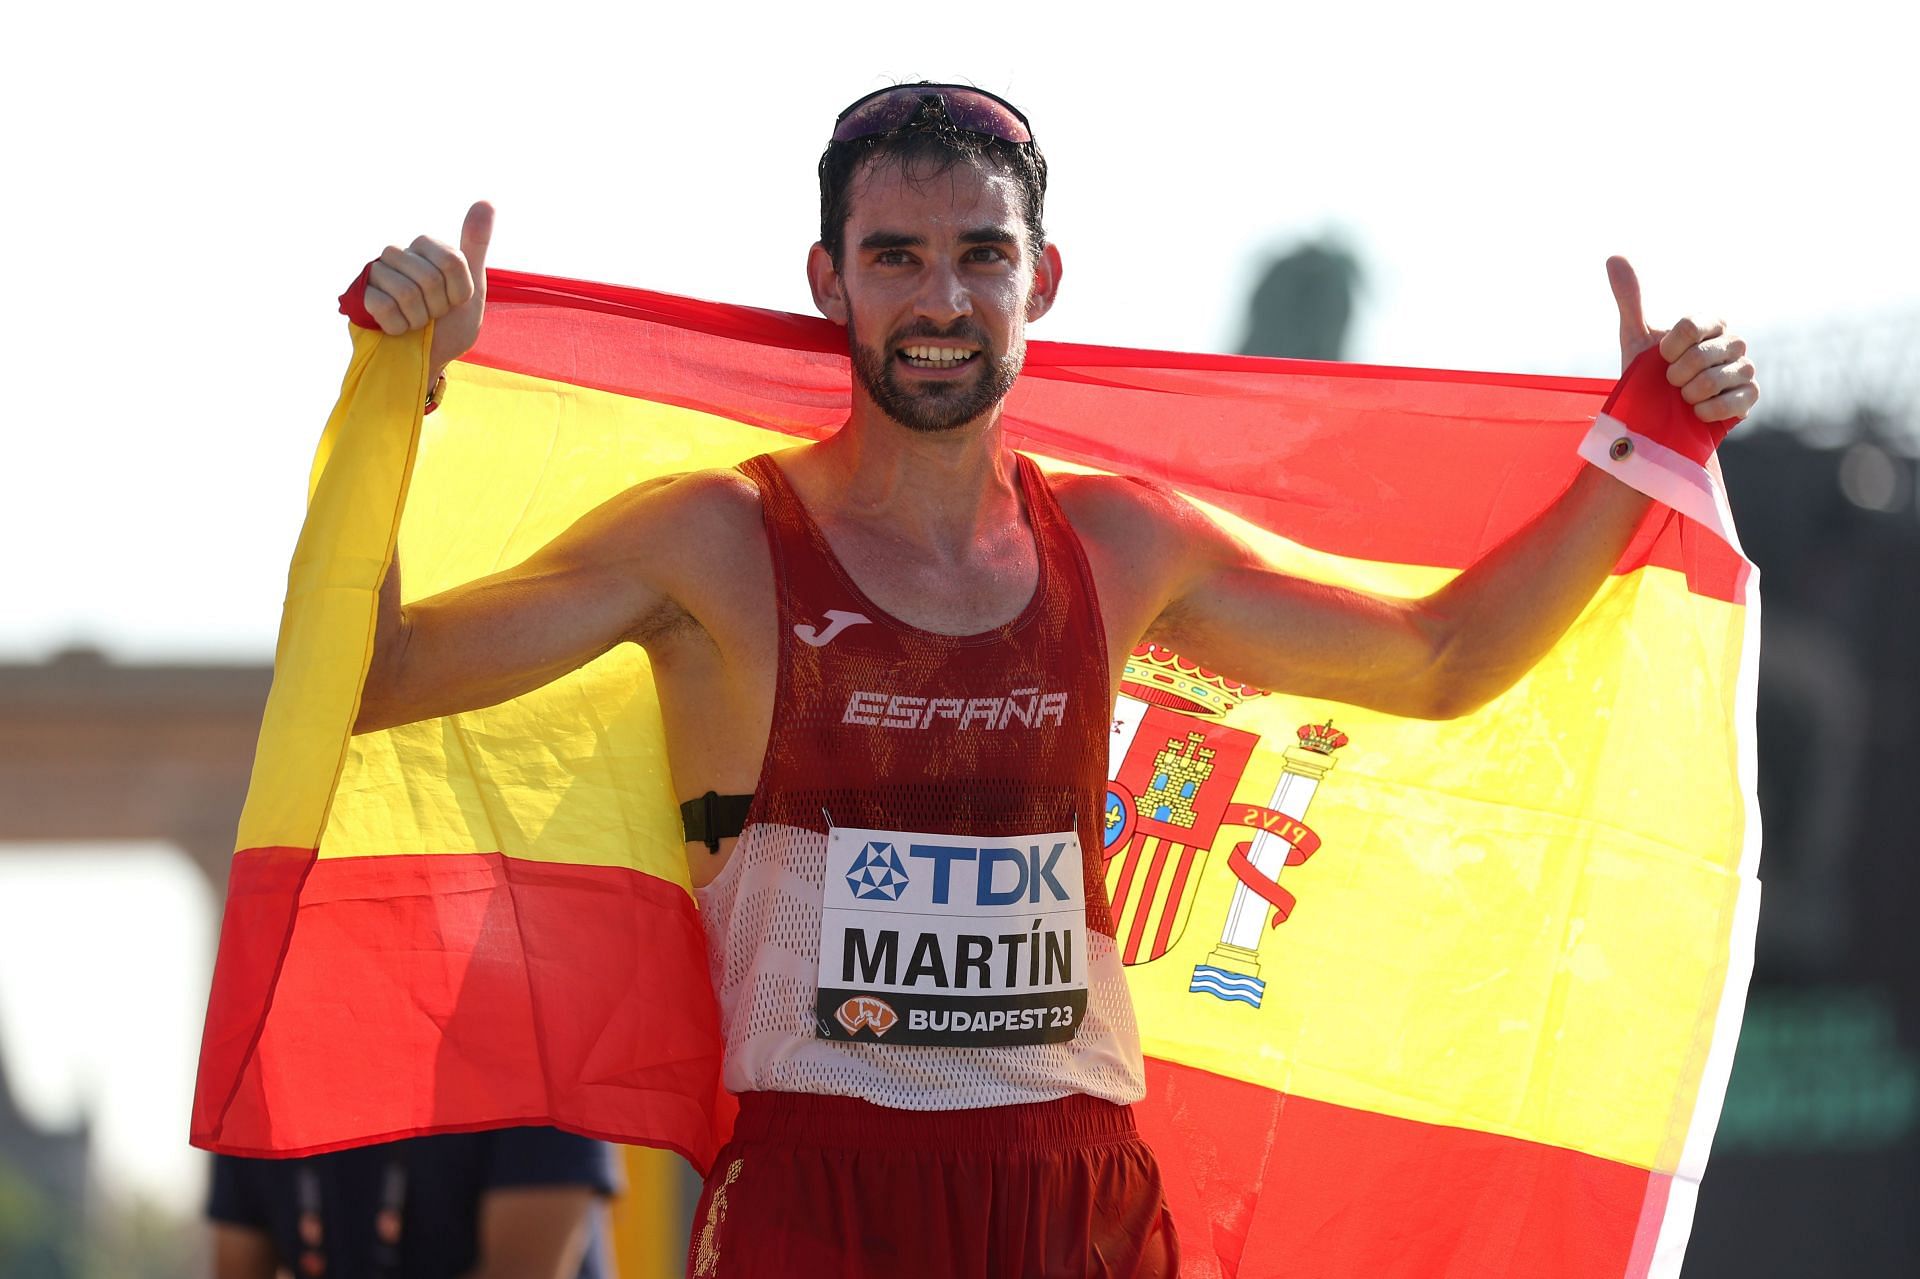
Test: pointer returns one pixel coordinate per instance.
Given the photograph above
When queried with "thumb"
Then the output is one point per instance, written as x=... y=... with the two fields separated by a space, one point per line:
x=1634 y=335
x=475 y=235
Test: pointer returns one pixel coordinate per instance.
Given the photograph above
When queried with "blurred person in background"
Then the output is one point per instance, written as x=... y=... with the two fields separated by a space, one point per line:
x=523 y=1202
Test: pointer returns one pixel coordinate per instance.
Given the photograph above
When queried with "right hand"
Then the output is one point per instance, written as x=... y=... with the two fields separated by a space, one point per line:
x=428 y=281
x=1704 y=360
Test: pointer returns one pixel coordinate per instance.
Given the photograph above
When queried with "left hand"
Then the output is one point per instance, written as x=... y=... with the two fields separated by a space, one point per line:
x=1707 y=363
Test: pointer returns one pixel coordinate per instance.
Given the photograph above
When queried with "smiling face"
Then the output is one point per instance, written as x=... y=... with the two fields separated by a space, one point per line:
x=936 y=285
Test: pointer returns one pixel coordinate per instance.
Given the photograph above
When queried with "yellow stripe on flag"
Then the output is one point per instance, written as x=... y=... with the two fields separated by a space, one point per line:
x=575 y=772
x=1514 y=919
x=326 y=633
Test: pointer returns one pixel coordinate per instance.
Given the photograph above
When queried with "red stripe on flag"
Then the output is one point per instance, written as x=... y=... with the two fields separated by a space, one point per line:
x=1127 y=868
x=1353 y=459
x=263 y=892
x=582 y=991
x=1145 y=905
x=1653 y=1215
x=1345 y=1192
x=1164 y=934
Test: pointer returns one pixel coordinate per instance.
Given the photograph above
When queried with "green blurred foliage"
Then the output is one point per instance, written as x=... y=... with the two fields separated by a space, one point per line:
x=40 y=1239
x=37 y=1239
x=1820 y=1069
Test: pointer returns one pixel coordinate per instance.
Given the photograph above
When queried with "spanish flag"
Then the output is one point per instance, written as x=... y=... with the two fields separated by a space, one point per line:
x=1421 y=999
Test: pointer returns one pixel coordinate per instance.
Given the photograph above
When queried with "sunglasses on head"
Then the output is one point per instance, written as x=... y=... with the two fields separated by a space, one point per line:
x=969 y=109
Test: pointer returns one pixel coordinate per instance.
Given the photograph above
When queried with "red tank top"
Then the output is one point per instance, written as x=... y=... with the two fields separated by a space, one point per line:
x=882 y=725
x=919 y=917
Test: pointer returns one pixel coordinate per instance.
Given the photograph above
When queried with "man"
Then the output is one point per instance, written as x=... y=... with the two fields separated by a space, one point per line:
x=526 y=1203
x=827 y=624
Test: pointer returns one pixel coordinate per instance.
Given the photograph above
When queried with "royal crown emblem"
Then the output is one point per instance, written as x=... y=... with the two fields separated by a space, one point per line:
x=1159 y=676
x=1322 y=739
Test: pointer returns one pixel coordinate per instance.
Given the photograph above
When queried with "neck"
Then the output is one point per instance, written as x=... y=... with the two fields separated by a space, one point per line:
x=941 y=490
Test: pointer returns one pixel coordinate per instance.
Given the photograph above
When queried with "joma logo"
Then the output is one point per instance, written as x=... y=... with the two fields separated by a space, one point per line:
x=838 y=619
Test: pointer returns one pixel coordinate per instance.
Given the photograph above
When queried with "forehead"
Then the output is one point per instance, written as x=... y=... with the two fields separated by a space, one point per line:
x=891 y=193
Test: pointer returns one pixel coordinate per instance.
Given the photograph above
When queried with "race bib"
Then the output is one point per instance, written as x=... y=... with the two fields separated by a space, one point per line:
x=941 y=939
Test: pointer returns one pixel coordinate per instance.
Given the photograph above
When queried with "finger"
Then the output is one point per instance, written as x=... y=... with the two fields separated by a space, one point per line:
x=1728 y=404
x=476 y=236
x=424 y=274
x=1626 y=296
x=1701 y=356
x=1690 y=331
x=1715 y=381
x=402 y=289
x=385 y=311
x=455 y=281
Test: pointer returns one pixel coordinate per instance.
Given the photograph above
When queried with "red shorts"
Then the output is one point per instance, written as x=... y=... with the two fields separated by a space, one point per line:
x=835 y=1186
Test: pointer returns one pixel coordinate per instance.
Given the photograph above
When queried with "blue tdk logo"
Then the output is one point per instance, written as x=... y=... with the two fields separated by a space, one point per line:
x=1001 y=876
x=877 y=875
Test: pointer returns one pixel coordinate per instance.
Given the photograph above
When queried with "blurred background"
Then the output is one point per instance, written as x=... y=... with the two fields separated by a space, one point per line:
x=1436 y=186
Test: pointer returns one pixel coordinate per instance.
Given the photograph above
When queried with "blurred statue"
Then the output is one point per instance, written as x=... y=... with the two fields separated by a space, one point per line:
x=1302 y=304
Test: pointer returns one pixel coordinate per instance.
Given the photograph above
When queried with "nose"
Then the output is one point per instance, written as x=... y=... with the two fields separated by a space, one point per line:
x=943 y=296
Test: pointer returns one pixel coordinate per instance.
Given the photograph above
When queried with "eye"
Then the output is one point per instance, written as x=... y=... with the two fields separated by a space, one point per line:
x=986 y=253
x=892 y=257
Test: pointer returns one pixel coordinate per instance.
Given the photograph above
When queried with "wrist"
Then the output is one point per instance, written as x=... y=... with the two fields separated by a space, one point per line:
x=1649 y=438
x=1645 y=406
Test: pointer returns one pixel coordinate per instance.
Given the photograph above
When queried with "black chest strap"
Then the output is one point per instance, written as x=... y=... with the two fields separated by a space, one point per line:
x=714 y=817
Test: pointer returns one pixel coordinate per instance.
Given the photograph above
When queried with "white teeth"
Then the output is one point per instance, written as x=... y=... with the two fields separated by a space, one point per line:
x=945 y=355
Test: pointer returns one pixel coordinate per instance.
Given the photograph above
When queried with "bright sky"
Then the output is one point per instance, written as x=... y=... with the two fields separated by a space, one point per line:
x=105 y=956
x=193 y=184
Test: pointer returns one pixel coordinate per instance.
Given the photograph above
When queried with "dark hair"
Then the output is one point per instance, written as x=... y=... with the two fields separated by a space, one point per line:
x=929 y=145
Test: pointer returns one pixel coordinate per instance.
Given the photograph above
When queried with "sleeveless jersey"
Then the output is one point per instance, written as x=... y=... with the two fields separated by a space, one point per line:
x=915 y=912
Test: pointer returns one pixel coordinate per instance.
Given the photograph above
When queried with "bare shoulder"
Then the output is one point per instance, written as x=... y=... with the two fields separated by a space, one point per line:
x=700 y=540
x=1141 y=517
x=1148 y=546
x=661 y=548
x=698 y=513
x=1143 y=542
x=708 y=497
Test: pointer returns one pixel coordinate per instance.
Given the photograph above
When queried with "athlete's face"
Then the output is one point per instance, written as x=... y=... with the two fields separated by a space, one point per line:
x=936 y=284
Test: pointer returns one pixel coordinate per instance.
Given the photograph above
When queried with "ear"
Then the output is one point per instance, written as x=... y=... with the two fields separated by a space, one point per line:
x=824 y=279
x=1046 y=283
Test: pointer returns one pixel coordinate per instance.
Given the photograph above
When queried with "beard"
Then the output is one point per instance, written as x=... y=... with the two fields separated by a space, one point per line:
x=933 y=407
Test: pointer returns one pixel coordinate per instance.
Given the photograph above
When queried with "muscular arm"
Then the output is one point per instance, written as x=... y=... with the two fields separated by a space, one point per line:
x=1432 y=658
x=611 y=577
x=1455 y=650
x=607 y=579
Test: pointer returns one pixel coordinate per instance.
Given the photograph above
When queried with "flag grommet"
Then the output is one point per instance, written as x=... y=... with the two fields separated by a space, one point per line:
x=1621 y=450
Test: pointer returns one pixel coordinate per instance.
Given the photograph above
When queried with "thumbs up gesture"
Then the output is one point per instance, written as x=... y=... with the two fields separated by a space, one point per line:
x=430 y=281
x=1706 y=362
